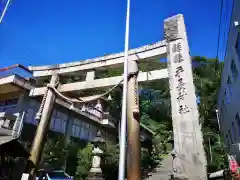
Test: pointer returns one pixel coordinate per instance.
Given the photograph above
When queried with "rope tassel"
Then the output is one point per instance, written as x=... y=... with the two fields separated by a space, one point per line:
x=39 y=113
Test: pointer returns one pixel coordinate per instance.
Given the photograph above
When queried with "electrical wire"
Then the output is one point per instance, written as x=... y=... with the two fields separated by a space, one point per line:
x=225 y=16
x=233 y=3
x=219 y=29
x=4 y=11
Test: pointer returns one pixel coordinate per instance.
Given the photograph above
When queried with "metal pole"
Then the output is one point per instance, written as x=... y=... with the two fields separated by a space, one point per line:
x=219 y=128
x=121 y=172
x=210 y=149
x=42 y=129
x=18 y=125
x=4 y=11
x=21 y=125
x=133 y=116
x=218 y=119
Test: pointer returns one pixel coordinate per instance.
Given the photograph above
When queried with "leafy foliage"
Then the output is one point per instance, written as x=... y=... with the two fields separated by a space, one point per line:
x=54 y=153
x=110 y=161
x=84 y=162
x=72 y=157
x=207 y=76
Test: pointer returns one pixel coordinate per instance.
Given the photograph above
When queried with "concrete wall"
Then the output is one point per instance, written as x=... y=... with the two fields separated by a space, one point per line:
x=228 y=100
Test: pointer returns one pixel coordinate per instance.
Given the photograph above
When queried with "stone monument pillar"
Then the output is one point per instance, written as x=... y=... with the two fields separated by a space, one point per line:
x=95 y=172
x=189 y=156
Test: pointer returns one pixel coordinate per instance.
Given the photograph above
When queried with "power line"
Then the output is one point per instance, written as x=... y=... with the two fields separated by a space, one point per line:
x=4 y=11
x=233 y=2
x=219 y=28
x=224 y=38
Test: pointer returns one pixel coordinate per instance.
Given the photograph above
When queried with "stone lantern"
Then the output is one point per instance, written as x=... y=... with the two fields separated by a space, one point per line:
x=95 y=172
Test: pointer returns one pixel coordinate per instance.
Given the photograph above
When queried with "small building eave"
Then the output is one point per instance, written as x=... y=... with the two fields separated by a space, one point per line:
x=5 y=115
x=17 y=81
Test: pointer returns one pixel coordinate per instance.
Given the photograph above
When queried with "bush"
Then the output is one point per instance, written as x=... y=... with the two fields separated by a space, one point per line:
x=109 y=163
x=54 y=153
x=84 y=157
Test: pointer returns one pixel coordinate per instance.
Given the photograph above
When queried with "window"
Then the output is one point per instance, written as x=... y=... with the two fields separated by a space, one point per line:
x=33 y=107
x=234 y=70
x=84 y=130
x=76 y=121
x=223 y=111
x=237 y=46
x=9 y=105
x=227 y=143
x=34 y=104
x=93 y=132
x=52 y=123
x=53 y=120
x=234 y=132
x=58 y=124
x=221 y=120
x=230 y=137
x=58 y=121
x=226 y=96
x=64 y=126
x=77 y=131
x=29 y=115
x=237 y=120
x=73 y=129
x=229 y=85
x=34 y=120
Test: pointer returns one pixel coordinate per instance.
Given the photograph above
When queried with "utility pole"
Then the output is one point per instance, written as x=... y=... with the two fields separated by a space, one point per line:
x=42 y=129
x=122 y=156
x=210 y=148
x=133 y=119
x=219 y=127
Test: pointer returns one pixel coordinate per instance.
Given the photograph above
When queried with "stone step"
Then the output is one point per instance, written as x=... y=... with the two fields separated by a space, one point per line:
x=160 y=177
x=164 y=171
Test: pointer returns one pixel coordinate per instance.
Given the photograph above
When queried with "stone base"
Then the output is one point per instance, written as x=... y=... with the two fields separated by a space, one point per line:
x=95 y=176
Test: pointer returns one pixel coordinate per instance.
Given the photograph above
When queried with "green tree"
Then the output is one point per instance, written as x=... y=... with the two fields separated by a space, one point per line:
x=54 y=153
x=110 y=161
x=84 y=162
x=72 y=160
x=207 y=78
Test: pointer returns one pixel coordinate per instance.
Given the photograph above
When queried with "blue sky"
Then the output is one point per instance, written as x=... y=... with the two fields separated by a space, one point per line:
x=57 y=31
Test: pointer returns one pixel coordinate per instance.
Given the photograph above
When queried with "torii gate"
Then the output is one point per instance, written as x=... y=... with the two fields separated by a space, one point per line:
x=189 y=157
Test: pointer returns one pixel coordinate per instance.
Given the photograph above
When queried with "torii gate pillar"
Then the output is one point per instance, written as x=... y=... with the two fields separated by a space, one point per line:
x=189 y=156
